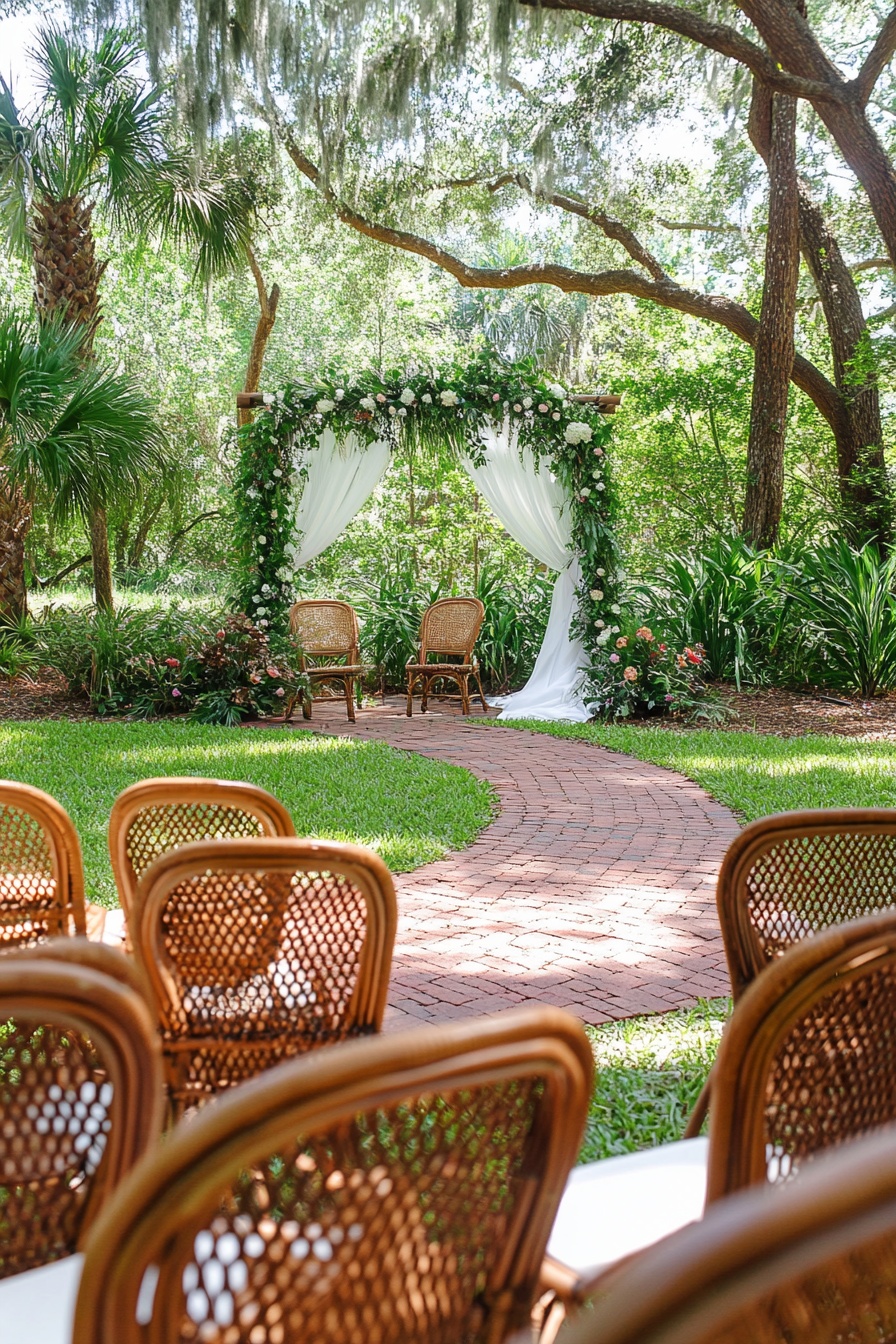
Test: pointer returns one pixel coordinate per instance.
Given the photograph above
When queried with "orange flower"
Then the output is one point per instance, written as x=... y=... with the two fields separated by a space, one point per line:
x=644 y=633
x=631 y=674
x=622 y=642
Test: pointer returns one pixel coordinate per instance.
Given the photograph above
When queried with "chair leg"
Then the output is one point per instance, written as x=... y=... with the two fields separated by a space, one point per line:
x=464 y=684
x=306 y=706
x=411 y=680
x=349 y=684
x=481 y=696
x=425 y=695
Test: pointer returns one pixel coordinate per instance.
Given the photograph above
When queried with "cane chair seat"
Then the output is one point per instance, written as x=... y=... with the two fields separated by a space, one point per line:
x=815 y=1264
x=80 y=1096
x=328 y=630
x=449 y=630
x=155 y=816
x=41 y=870
x=392 y=1191
x=807 y=1062
x=256 y=950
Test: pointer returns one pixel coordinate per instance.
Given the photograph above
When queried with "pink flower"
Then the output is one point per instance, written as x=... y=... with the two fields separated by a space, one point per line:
x=254 y=678
x=496 y=396
x=172 y=662
x=614 y=657
x=380 y=396
x=667 y=698
x=631 y=674
x=220 y=635
x=598 y=452
x=279 y=691
x=543 y=409
x=272 y=671
x=176 y=693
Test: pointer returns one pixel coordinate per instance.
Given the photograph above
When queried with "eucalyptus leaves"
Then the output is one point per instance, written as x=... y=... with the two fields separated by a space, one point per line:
x=434 y=410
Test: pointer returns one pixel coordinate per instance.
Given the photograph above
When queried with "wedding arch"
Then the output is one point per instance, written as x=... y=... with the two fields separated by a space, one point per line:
x=309 y=463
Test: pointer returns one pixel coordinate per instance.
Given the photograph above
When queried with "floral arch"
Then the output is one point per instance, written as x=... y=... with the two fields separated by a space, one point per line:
x=309 y=462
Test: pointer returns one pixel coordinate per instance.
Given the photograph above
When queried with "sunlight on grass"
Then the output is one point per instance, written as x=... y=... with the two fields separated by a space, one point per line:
x=411 y=810
x=649 y=1074
x=755 y=774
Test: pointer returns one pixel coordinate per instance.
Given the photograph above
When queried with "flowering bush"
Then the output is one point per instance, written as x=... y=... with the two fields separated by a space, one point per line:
x=147 y=663
x=634 y=673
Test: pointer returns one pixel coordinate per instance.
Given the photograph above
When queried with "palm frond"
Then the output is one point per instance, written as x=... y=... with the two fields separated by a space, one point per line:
x=216 y=216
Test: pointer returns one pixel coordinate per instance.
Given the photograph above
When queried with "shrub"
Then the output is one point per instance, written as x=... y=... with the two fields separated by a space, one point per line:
x=636 y=674
x=845 y=597
x=391 y=614
x=145 y=663
x=728 y=599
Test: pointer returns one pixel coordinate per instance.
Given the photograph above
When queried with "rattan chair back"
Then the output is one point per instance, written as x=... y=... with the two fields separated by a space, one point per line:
x=256 y=950
x=155 y=816
x=392 y=1191
x=813 y=1265
x=450 y=627
x=808 y=1059
x=81 y=1094
x=41 y=870
x=786 y=877
x=325 y=629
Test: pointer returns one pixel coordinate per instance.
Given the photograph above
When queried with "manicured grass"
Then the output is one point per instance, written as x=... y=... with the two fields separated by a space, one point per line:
x=753 y=773
x=649 y=1074
x=411 y=810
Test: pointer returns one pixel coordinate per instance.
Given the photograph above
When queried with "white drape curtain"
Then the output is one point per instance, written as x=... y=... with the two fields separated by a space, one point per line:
x=532 y=505
x=341 y=478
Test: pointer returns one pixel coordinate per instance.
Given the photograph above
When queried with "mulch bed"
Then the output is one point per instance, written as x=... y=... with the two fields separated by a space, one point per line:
x=770 y=710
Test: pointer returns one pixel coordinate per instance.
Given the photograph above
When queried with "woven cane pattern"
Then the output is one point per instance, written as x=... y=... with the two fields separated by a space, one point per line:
x=329 y=628
x=385 y=1231
x=55 y=1101
x=834 y=1076
x=165 y=826
x=30 y=903
x=261 y=966
x=848 y=1299
x=806 y=883
x=451 y=626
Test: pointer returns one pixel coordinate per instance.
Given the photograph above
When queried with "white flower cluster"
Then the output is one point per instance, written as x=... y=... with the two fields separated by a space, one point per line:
x=368 y=404
x=406 y=396
x=576 y=432
x=324 y=405
x=557 y=391
x=447 y=397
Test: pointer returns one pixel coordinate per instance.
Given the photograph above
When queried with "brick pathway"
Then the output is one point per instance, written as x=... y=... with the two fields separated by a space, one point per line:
x=593 y=890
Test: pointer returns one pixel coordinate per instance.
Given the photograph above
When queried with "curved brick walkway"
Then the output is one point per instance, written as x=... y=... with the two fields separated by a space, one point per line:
x=593 y=890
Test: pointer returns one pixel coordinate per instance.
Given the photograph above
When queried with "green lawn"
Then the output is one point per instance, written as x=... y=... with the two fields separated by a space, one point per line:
x=649 y=1074
x=411 y=810
x=752 y=773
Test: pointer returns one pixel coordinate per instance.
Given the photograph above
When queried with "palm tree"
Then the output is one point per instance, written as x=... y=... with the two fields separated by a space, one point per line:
x=84 y=433
x=99 y=134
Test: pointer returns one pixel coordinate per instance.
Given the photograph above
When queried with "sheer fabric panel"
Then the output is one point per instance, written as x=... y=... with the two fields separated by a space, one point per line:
x=341 y=478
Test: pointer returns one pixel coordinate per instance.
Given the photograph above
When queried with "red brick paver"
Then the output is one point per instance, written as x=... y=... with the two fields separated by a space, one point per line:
x=593 y=890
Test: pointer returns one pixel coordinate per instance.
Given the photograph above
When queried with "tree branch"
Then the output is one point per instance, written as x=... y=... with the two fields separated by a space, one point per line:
x=715 y=36
x=690 y=226
x=877 y=59
x=258 y=278
x=664 y=291
x=872 y=264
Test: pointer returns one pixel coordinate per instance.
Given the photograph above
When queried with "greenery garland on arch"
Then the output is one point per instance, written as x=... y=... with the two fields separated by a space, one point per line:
x=436 y=409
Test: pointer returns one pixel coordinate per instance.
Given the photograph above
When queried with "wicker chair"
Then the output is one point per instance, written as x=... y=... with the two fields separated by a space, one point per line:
x=41 y=870
x=788 y=876
x=327 y=630
x=449 y=629
x=80 y=1101
x=392 y=1191
x=256 y=950
x=157 y=815
x=813 y=1265
x=807 y=1062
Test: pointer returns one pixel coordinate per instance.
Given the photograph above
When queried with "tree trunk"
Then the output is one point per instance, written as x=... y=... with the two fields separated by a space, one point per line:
x=66 y=280
x=775 y=343
x=267 y=315
x=15 y=521
x=99 y=548
x=858 y=432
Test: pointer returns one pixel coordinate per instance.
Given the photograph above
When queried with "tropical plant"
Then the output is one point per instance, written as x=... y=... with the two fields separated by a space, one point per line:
x=86 y=434
x=846 y=599
x=391 y=612
x=98 y=132
x=726 y=599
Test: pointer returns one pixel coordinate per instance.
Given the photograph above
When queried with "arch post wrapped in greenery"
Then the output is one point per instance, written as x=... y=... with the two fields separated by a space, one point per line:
x=436 y=410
